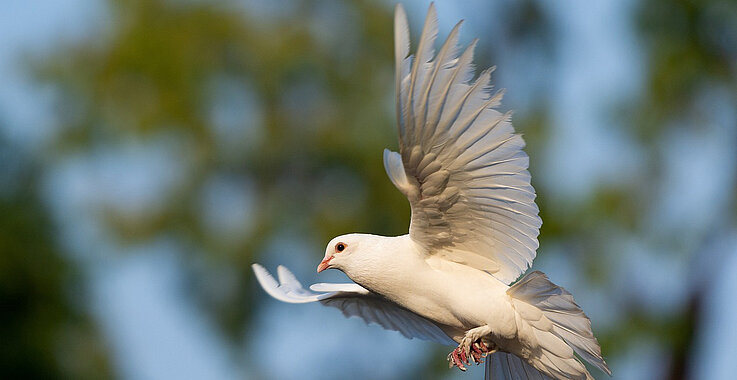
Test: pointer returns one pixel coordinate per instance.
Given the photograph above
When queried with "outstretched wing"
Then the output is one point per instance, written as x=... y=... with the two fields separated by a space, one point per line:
x=460 y=163
x=353 y=300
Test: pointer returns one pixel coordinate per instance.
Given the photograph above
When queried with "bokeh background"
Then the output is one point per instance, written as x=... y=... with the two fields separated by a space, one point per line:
x=151 y=150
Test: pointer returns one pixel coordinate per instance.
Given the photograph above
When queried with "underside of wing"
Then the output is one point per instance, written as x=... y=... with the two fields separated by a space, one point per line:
x=460 y=162
x=354 y=301
x=376 y=309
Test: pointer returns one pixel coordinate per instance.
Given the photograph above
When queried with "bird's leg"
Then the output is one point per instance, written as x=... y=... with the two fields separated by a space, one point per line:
x=471 y=349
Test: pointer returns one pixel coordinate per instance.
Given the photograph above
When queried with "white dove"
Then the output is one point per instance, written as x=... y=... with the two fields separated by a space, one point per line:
x=473 y=231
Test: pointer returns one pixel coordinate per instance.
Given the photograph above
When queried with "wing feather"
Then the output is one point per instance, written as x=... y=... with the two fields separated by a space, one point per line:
x=460 y=162
x=444 y=60
x=420 y=77
x=401 y=52
x=352 y=300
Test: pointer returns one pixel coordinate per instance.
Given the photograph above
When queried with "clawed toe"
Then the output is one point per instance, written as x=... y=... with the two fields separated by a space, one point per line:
x=468 y=353
x=456 y=358
x=479 y=351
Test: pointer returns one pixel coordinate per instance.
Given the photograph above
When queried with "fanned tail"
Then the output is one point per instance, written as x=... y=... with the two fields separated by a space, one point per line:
x=505 y=366
x=549 y=319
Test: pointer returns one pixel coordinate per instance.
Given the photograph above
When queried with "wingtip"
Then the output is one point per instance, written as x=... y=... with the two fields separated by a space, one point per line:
x=399 y=8
x=430 y=29
x=259 y=270
x=265 y=279
x=400 y=15
x=401 y=35
x=286 y=277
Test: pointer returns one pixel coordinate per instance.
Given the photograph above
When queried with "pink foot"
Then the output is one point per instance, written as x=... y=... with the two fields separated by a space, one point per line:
x=479 y=351
x=458 y=357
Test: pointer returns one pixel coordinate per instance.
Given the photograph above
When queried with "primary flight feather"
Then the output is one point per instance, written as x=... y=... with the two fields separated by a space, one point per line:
x=473 y=231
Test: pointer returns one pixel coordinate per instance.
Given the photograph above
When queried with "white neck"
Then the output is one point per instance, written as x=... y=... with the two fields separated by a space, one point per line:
x=382 y=260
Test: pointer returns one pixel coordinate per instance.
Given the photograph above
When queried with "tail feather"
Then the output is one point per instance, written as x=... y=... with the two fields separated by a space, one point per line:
x=570 y=326
x=506 y=366
x=561 y=368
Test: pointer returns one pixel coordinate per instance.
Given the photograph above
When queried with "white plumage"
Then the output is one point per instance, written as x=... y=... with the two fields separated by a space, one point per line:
x=473 y=231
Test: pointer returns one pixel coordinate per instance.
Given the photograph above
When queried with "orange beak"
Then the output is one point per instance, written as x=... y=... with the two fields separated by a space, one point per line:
x=324 y=264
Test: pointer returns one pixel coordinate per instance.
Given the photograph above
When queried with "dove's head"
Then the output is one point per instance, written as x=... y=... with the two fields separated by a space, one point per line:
x=344 y=250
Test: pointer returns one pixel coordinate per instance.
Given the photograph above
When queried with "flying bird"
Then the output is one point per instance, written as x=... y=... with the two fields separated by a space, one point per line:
x=473 y=231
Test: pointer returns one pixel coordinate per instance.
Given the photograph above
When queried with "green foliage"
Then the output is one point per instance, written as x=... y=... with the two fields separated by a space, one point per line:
x=691 y=45
x=159 y=70
x=44 y=330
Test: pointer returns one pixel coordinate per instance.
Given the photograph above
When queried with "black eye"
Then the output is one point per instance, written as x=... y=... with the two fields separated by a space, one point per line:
x=339 y=247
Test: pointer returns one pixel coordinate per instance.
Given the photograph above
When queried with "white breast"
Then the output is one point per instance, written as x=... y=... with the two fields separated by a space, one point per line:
x=445 y=292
